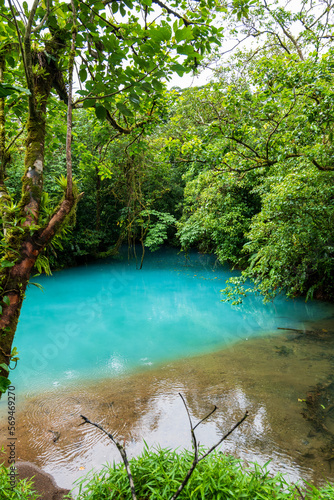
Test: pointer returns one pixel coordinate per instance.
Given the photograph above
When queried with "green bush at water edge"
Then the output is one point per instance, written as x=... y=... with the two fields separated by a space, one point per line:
x=157 y=475
x=23 y=490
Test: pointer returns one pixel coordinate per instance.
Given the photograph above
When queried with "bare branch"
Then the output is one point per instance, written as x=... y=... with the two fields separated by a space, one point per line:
x=69 y=189
x=122 y=451
x=41 y=24
x=170 y=11
x=16 y=137
x=279 y=122
x=224 y=437
x=197 y=459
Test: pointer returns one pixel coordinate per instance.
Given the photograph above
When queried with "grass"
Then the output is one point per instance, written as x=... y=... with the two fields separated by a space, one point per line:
x=158 y=473
x=23 y=490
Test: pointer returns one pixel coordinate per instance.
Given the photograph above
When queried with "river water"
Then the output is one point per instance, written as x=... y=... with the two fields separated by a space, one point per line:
x=118 y=345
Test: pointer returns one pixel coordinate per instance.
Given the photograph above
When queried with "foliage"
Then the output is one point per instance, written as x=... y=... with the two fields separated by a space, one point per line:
x=216 y=215
x=257 y=146
x=291 y=239
x=23 y=489
x=157 y=474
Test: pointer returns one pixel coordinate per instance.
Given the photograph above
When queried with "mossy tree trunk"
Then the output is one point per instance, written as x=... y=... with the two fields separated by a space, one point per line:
x=23 y=244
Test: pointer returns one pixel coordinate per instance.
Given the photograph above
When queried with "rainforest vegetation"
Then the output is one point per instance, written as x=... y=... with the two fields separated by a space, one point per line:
x=98 y=149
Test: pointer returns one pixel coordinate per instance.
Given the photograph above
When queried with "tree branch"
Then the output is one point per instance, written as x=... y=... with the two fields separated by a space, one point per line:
x=196 y=459
x=69 y=188
x=121 y=450
x=28 y=58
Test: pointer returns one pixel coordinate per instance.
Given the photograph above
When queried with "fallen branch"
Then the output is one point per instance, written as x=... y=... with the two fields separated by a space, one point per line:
x=291 y=329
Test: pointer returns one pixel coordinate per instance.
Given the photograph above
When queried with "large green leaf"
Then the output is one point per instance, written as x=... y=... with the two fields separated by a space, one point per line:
x=123 y=109
x=100 y=112
x=4 y=384
x=7 y=90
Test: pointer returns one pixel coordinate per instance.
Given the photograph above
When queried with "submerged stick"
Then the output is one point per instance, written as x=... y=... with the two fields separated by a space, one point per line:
x=291 y=329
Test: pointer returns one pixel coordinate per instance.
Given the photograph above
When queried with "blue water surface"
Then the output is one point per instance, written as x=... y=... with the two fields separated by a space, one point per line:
x=108 y=318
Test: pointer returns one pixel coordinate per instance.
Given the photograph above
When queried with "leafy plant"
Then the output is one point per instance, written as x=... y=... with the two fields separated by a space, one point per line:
x=157 y=473
x=22 y=490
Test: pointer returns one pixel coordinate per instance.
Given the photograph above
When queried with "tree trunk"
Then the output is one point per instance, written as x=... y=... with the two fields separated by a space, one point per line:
x=98 y=200
x=14 y=282
x=25 y=243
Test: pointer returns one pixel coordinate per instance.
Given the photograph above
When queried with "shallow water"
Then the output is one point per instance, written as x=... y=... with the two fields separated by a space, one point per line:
x=118 y=345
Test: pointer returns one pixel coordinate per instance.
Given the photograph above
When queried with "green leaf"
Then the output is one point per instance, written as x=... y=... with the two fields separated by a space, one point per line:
x=184 y=34
x=114 y=7
x=4 y=367
x=38 y=285
x=185 y=49
x=6 y=263
x=6 y=300
x=4 y=384
x=100 y=112
x=179 y=69
x=146 y=86
x=88 y=103
x=11 y=61
x=123 y=109
x=98 y=6
x=83 y=74
x=157 y=85
x=134 y=98
x=6 y=90
x=25 y=8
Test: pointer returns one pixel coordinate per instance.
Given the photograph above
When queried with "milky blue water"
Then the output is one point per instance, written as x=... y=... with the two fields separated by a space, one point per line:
x=108 y=318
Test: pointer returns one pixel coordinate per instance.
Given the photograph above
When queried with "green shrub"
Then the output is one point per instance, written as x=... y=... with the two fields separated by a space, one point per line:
x=157 y=475
x=22 y=490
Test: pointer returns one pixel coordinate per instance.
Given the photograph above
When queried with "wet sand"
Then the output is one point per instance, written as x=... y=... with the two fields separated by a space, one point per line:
x=270 y=377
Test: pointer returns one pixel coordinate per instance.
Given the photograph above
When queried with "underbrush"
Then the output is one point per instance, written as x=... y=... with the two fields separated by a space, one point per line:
x=158 y=473
x=22 y=490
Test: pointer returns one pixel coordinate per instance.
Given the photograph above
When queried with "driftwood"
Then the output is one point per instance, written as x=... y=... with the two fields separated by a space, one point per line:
x=290 y=329
x=197 y=457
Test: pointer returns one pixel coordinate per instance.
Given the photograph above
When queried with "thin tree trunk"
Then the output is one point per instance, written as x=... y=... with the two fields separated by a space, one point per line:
x=25 y=244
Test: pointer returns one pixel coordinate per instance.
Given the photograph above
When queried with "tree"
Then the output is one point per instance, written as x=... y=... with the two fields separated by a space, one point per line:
x=120 y=52
x=258 y=145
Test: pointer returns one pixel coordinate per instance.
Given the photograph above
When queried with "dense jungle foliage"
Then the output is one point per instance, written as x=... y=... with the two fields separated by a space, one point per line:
x=242 y=167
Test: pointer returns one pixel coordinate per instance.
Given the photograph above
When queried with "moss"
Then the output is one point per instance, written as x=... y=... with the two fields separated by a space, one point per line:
x=35 y=140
